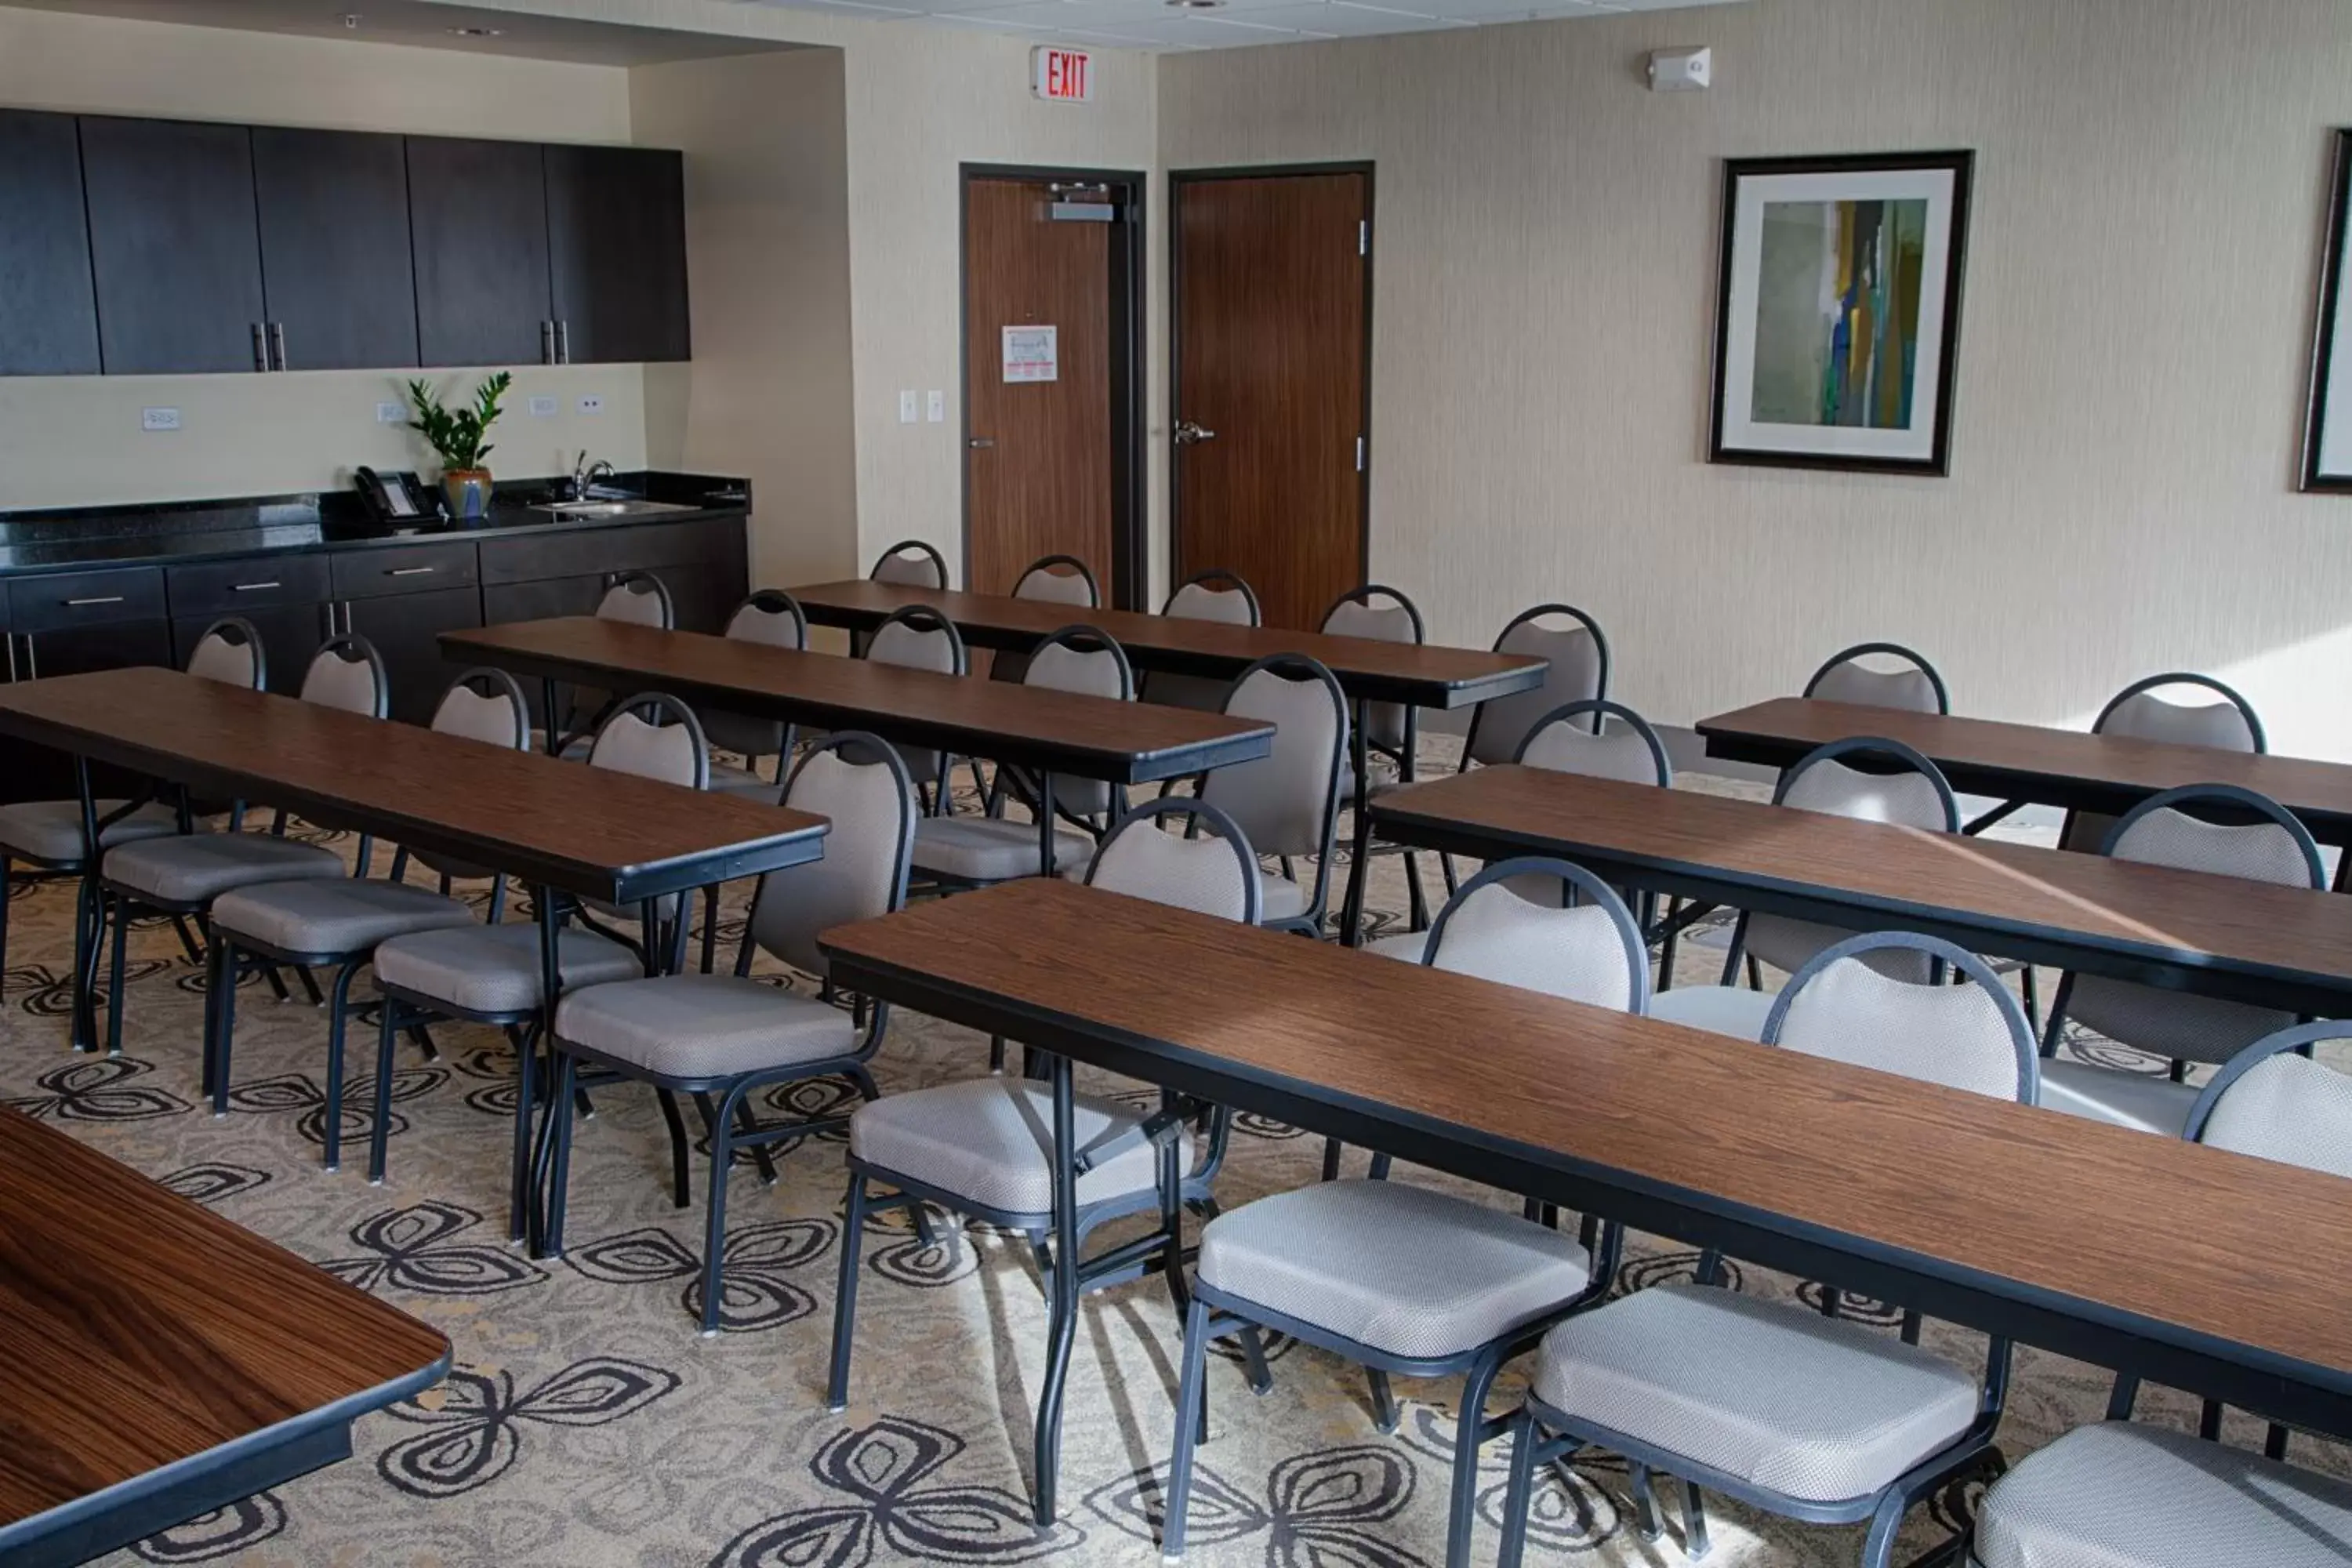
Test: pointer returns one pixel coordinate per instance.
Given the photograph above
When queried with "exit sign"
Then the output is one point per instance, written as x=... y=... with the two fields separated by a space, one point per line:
x=1061 y=76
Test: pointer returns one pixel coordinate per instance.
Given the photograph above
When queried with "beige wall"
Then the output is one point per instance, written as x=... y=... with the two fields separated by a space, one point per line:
x=2131 y=368
x=768 y=395
x=72 y=440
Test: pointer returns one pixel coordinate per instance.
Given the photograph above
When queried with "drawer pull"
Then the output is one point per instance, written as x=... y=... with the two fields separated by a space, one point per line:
x=103 y=599
x=252 y=588
x=410 y=571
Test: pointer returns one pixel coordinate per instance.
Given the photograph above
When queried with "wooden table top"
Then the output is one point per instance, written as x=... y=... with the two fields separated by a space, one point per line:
x=1063 y=731
x=2068 y=1233
x=592 y=831
x=1427 y=676
x=2227 y=936
x=2031 y=762
x=139 y=1329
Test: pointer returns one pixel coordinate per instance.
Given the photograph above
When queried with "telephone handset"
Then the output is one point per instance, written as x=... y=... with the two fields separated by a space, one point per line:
x=396 y=497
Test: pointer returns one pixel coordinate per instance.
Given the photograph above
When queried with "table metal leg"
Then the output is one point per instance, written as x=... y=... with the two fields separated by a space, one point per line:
x=86 y=935
x=1352 y=904
x=547 y=714
x=1046 y=821
x=1063 y=1289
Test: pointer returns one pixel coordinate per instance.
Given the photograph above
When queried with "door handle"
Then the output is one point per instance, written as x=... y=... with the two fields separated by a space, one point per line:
x=1189 y=434
x=547 y=342
x=562 y=342
x=410 y=571
x=101 y=599
x=260 y=349
x=277 y=339
x=981 y=443
x=252 y=588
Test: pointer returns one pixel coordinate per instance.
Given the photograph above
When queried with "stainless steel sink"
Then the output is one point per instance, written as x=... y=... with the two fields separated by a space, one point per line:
x=608 y=508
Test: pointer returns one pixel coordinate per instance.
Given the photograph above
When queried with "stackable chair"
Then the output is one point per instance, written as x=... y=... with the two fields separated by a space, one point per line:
x=1409 y=1281
x=1904 y=787
x=2127 y=1496
x=2220 y=829
x=771 y=618
x=1577 y=656
x=492 y=974
x=1288 y=802
x=181 y=875
x=912 y=563
x=987 y=1147
x=1215 y=594
x=1786 y=1408
x=2149 y=711
x=729 y=1035
x=636 y=599
x=918 y=637
x=337 y=922
x=47 y=835
x=1881 y=675
x=1048 y=580
x=1389 y=729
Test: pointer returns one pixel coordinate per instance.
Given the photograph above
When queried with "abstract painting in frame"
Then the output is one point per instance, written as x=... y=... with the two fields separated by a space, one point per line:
x=1838 y=312
x=2328 y=440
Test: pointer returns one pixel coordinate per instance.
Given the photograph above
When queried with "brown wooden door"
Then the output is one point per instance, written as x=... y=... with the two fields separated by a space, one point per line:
x=1038 y=457
x=1273 y=306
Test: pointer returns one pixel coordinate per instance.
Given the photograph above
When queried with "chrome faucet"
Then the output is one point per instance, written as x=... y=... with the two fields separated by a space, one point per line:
x=584 y=475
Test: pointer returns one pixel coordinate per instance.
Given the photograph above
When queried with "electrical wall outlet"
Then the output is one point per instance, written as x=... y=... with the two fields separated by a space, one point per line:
x=159 y=419
x=908 y=412
x=542 y=407
x=391 y=413
x=935 y=407
x=593 y=403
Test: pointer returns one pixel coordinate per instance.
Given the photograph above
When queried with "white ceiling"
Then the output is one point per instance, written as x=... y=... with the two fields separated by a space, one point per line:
x=1227 y=24
x=429 y=26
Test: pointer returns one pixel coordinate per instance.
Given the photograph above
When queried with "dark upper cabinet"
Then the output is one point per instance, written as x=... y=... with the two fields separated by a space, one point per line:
x=48 y=316
x=335 y=269
x=478 y=217
x=616 y=252
x=173 y=245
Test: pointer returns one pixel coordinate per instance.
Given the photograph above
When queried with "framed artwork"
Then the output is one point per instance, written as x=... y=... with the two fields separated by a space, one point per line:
x=1838 y=312
x=2328 y=440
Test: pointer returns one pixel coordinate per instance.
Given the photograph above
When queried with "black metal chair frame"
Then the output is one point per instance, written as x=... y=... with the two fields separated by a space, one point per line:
x=574 y=729
x=1404 y=756
x=916 y=547
x=1861 y=650
x=1300 y=667
x=925 y=619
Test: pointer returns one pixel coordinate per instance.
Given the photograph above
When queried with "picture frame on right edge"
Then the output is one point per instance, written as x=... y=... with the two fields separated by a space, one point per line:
x=2327 y=437
x=1838 y=310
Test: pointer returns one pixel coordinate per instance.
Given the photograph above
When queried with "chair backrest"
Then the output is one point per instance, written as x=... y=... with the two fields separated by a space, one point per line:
x=913 y=562
x=485 y=704
x=1287 y=800
x=638 y=599
x=2144 y=711
x=348 y=673
x=1626 y=749
x=1215 y=874
x=854 y=780
x=772 y=618
x=1082 y=659
x=1578 y=671
x=654 y=736
x=1199 y=599
x=917 y=637
x=1381 y=613
x=1881 y=675
x=231 y=652
x=1583 y=946
x=2273 y=1101
x=1059 y=580
x=1905 y=788
x=1970 y=1035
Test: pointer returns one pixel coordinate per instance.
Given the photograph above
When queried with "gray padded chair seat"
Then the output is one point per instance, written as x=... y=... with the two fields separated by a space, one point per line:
x=197 y=867
x=51 y=830
x=1407 y=946
x=992 y=848
x=1816 y=1408
x=341 y=914
x=1280 y=898
x=1400 y=1268
x=703 y=1025
x=986 y=1140
x=495 y=969
x=1732 y=1010
x=2145 y=1102
x=2119 y=1495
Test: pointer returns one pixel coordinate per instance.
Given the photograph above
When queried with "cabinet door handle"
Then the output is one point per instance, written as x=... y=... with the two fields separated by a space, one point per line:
x=32 y=659
x=547 y=342
x=252 y=588
x=277 y=338
x=101 y=599
x=260 y=349
x=12 y=655
x=411 y=571
x=562 y=342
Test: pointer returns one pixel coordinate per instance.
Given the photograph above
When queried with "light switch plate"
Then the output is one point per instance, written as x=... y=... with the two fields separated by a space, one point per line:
x=159 y=419
x=593 y=403
x=391 y=413
x=935 y=407
x=542 y=407
x=909 y=411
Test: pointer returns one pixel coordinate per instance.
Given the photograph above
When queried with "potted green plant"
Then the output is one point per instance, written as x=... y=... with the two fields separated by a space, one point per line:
x=459 y=438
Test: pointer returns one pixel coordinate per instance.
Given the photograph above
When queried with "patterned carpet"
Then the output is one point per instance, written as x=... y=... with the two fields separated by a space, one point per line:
x=587 y=1425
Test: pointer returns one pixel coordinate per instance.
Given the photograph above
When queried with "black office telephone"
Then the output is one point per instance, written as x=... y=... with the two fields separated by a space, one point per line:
x=398 y=497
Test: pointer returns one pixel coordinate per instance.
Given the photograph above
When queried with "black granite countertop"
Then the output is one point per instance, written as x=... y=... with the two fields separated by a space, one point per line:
x=164 y=532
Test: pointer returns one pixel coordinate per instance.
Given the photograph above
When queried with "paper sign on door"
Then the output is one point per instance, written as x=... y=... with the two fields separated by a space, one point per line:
x=1032 y=353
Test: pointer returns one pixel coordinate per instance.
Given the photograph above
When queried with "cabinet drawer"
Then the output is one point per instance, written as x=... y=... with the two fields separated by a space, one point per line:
x=602 y=551
x=86 y=598
x=402 y=569
x=231 y=587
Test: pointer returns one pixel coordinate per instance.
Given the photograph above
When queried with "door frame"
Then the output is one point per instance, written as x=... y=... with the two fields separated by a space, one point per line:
x=1177 y=180
x=1130 y=464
